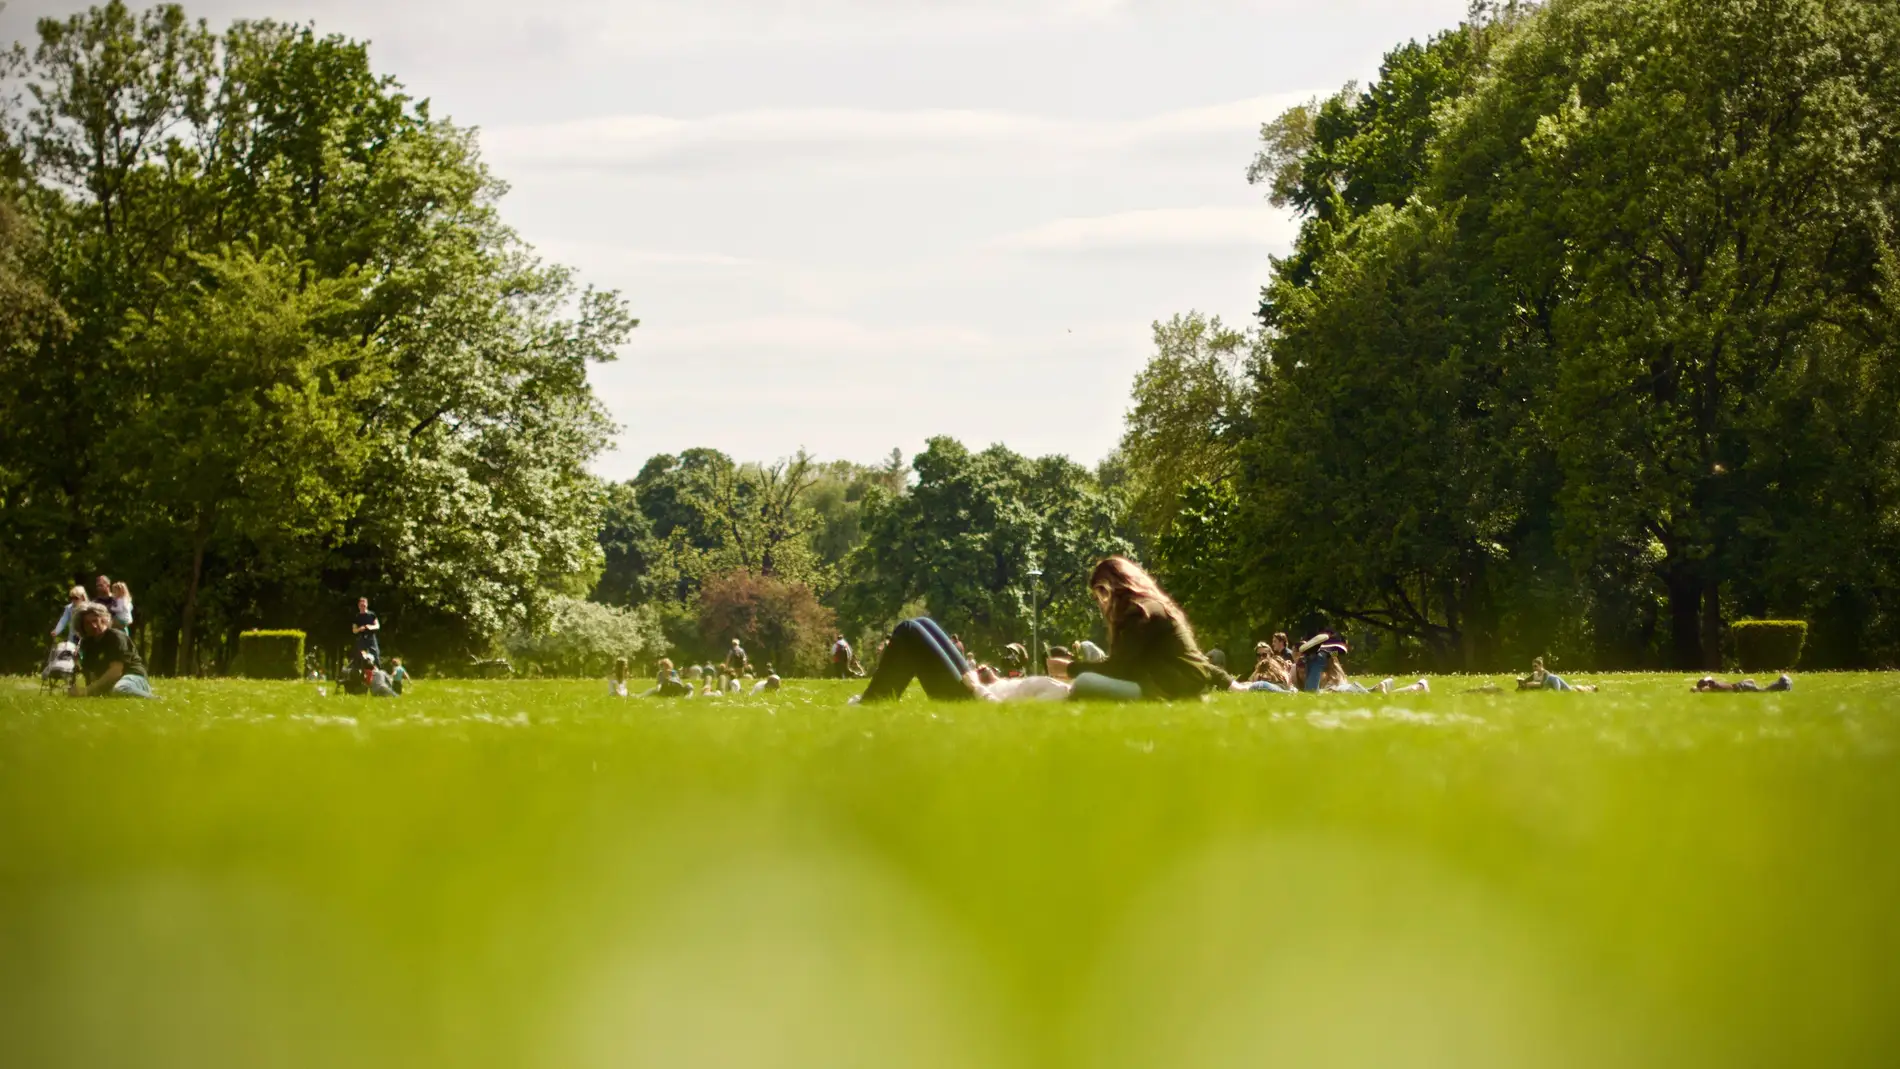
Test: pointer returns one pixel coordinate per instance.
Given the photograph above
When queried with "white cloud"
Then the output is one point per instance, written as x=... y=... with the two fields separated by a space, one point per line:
x=823 y=334
x=1156 y=228
x=858 y=136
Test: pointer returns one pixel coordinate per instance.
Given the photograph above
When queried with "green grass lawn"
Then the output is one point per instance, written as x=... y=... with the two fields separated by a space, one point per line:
x=535 y=874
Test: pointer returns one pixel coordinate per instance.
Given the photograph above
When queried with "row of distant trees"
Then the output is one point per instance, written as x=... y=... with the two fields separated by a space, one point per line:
x=785 y=556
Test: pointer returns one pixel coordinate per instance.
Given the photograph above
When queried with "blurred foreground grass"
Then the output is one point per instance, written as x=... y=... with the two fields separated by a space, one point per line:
x=534 y=874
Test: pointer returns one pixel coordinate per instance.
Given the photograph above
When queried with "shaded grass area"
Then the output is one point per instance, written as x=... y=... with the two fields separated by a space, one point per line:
x=535 y=874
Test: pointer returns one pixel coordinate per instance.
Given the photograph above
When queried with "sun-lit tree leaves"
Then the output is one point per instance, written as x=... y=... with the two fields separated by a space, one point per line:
x=147 y=143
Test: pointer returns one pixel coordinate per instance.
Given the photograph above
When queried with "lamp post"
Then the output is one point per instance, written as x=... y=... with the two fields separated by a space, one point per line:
x=1035 y=620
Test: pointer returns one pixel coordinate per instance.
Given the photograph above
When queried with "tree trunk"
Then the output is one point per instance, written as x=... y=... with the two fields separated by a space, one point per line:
x=187 y=646
x=1685 y=625
x=1712 y=626
x=164 y=632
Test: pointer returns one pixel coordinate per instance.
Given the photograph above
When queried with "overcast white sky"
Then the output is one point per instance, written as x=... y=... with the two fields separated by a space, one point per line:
x=848 y=225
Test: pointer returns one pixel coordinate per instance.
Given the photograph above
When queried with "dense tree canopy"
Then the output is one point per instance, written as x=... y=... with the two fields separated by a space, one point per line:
x=292 y=353
x=1587 y=341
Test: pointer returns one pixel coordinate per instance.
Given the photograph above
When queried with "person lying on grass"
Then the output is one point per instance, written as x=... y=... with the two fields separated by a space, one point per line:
x=1272 y=670
x=1540 y=679
x=1710 y=684
x=1018 y=687
x=1151 y=648
x=376 y=682
x=113 y=666
x=922 y=650
x=666 y=683
x=1334 y=680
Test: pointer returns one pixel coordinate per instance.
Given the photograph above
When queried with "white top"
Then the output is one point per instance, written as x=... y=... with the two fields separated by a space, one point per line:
x=1029 y=689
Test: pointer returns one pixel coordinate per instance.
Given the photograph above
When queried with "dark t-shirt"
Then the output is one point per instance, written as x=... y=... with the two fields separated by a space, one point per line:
x=365 y=638
x=112 y=646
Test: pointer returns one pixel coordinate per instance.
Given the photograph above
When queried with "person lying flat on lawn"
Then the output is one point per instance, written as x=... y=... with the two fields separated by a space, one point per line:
x=113 y=666
x=1539 y=679
x=666 y=683
x=1272 y=669
x=1151 y=648
x=1710 y=684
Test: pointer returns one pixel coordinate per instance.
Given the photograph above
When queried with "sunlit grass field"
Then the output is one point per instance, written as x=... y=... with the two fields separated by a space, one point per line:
x=535 y=874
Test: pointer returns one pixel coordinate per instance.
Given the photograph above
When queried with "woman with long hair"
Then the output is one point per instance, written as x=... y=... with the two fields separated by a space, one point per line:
x=1151 y=648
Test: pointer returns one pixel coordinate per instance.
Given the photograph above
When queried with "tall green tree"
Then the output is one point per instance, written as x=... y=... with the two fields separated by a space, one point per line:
x=1189 y=413
x=964 y=539
x=246 y=441
x=147 y=143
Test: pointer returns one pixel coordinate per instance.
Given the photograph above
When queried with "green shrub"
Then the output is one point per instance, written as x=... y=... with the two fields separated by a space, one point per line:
x=1769 y=645
x=270 y=655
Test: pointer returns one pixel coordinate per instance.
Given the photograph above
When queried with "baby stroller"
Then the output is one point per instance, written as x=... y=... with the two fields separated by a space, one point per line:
x=61 y=665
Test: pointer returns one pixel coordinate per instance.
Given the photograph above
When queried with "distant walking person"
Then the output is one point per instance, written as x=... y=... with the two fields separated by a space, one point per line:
x=365 y=629
x=398 y=675
x=840 y=658
x=736 y=662
x=121 y=607
x=67 y=629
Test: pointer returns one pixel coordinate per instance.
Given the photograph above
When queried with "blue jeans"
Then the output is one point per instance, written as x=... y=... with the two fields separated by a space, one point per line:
x=919 y=649
x=1555 y=682
x=1096 y=687
x=1270 y=687
x=1315 y=672
x=131 y=687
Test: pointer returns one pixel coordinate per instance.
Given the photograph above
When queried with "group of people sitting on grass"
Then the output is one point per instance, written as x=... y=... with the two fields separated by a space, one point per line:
x=698 y=680
x=1152 y=653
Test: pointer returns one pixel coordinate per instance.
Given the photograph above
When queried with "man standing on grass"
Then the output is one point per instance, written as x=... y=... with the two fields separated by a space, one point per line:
x=840 y=658
x=365 y=629
x=113 y=665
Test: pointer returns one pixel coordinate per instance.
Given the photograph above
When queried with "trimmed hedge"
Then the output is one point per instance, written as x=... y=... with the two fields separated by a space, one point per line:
x=1769 y=645
x=270 y=655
